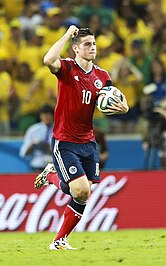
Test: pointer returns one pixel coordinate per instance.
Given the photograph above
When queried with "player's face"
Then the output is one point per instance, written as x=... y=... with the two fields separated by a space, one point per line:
x=86 y=48
x=46 y=118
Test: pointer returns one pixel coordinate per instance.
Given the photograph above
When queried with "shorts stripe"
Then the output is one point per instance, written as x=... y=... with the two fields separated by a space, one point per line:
x=74 y=210
x=60 y=161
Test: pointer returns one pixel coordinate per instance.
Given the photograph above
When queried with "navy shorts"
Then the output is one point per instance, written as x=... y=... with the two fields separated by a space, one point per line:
x=73 y=160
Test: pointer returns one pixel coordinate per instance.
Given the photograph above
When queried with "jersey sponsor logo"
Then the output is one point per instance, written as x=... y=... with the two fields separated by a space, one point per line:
x=72 y=170
x=76 y=78
x=98 y=84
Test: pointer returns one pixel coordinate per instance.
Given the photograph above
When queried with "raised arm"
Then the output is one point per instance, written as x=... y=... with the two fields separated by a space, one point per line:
x=51 y=59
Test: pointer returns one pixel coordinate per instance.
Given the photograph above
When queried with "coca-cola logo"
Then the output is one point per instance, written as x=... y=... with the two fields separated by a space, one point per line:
x=39 y=217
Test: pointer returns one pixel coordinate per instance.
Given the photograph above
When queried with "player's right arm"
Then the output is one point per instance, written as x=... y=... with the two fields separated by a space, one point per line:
x=51 y=59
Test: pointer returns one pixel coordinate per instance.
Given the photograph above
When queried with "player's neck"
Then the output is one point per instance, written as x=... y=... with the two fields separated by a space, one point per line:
x=84 y=64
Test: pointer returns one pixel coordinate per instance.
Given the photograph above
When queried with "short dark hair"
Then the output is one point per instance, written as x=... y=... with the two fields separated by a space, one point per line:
x=83 y=32
x=46 y=109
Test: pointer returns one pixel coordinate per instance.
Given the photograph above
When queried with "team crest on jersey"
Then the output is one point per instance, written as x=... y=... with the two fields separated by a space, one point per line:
x=72 y=170
x=98 y=84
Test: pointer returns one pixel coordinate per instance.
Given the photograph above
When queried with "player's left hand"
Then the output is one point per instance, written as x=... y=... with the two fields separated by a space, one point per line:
x=121 y=106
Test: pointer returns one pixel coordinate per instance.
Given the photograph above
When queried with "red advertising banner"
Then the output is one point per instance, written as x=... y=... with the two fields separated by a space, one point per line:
x=122 y=200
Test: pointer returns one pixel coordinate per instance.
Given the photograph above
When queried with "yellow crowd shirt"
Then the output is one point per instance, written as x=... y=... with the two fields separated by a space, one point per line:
x=110 y=61
x=51 y=36
x=131 y=89
x=30 y=55
x=28 y=104
x=49 y=85
x=5 y=86
x=13 y=8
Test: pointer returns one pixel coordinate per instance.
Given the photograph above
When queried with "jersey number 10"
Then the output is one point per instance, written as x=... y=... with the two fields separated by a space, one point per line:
x=86 y=96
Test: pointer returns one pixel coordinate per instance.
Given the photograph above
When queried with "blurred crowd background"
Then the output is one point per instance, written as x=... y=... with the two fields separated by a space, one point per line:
x=131 y=46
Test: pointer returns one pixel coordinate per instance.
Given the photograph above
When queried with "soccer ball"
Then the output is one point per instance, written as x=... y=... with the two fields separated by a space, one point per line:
x=106 y=99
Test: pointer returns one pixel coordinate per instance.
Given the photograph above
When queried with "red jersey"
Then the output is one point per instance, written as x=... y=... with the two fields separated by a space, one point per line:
x=76 y=100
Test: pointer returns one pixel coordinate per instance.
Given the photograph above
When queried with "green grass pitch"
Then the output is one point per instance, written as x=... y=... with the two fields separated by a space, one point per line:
x=122 y=247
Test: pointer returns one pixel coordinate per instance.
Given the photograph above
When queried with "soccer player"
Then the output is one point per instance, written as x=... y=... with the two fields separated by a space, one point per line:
x=75 y=152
